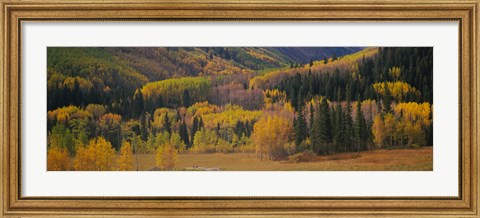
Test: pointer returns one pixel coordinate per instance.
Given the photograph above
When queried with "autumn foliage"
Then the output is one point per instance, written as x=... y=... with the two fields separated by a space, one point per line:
x=271 y=135
x=98 y=155
x=58 y=159
x=166 y=156
x=109 y=107
x=125 y=159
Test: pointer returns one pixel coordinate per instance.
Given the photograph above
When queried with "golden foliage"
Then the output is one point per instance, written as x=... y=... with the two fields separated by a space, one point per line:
x=274 y=96
x=220 y=66
x=415 y=112
x=270 y=135
x=398 y=89
x=98 y=155
x=125 y=159
x=345 y=63
x=201 y=108
x=407 y=124
x=110 y=119
x=378 y=130
x=64 y=114
x=167 y=156
x=159 y=117
x=171 y=90
x=394 y=72
x=230 y=116
x=57 y=159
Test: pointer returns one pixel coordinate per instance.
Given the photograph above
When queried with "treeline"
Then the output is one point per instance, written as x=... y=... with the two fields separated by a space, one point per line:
x=400 y=69
x=82 y=76
x=172 y=93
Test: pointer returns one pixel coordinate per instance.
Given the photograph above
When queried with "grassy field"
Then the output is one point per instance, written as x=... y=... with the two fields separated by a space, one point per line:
x=377 y=160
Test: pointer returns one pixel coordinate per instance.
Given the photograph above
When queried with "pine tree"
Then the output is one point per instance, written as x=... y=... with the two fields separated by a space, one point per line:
x=183 y=131
x=200 y=123
x=300 y=128
x=325 y=126
x=360 y=126
x=194 y=128
x=143 y=128
x=340 y=128
x=167 y=124
x=186 y=99
x=138 y=103
x=387 y=101
x=315 y=131
x=312 y=115
x=348 y=123
x=334 y=57
x=294 y=99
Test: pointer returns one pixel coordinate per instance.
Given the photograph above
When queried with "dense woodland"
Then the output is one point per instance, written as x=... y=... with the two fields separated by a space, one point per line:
x=107 y=105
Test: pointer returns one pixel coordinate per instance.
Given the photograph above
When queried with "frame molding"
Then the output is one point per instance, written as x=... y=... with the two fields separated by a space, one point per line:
x=14 y=12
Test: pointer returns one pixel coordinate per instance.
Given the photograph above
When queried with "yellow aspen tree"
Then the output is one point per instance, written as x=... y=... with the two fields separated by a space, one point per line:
x=378 y=130
x=167 y=156
x=270 y=134
x=394 y=72
x=260 y=137
x=98 y=155
x=125 y=160
x=389 y=122
x=58 y=159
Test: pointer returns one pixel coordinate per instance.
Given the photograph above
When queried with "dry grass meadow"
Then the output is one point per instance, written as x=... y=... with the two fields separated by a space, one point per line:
x=376 y=160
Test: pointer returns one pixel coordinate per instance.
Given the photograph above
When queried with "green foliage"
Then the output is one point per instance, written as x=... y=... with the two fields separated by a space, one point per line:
x=81 y=76
x=204 y=141
x=170 y=92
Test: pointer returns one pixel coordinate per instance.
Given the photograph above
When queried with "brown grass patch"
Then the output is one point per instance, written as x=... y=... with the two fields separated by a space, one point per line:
x=377 y=160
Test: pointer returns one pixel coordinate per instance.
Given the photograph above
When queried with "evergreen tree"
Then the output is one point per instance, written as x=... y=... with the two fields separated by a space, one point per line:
x=312 y=115
x=325 y=126
x=300 y=128
x=200 y=123
x=77 y=93
x=360 y=126
x=340 y=128
x=143 y=128
x=315 y=131
x=167 y=124
x=294 y=99
x=138 y=103
x=194 y=128
x=347 y=122
x=334 y=57
x=186 y=99
x=183 y=131
x=387 y=101
x=239 y=128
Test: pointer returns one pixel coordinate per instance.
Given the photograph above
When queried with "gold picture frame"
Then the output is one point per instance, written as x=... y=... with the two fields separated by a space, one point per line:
x=14 y=12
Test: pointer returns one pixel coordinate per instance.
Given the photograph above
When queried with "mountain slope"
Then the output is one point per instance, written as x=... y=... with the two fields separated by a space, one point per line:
x=305 y=54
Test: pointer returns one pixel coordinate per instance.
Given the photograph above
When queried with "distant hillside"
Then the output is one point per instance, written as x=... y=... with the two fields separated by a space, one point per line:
x=305 y=54
x=166 y=62
x=92 y=72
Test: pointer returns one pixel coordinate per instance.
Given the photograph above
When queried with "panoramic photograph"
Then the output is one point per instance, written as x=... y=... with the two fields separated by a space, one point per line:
x=239 y=109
